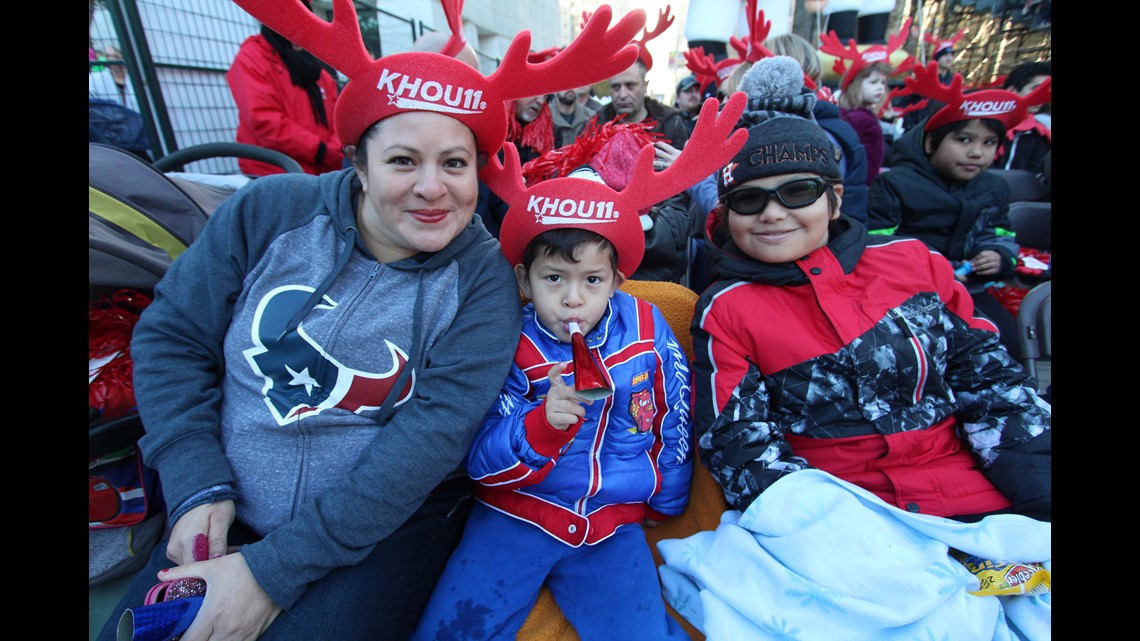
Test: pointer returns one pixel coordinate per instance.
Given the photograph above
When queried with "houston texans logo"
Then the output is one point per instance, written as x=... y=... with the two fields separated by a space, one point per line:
x=301 y=379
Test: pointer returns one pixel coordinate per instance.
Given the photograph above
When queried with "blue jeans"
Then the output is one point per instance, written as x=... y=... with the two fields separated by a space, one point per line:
x=378 y=599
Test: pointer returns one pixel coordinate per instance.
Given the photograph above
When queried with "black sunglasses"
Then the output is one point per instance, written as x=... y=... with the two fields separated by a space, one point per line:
x=793 y=194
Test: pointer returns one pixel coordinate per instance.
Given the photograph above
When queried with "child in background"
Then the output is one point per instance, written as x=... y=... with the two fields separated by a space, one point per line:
x=1030 y=139
x=821 y=346
x=859 y=106
x=565 y=484
x=939 y=191
x=863 y=87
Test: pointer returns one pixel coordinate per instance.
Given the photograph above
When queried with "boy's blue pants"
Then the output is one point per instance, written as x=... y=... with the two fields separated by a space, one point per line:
x=608 y=591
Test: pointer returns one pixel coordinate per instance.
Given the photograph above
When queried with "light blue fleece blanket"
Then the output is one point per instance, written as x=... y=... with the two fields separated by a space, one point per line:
x=817 y=558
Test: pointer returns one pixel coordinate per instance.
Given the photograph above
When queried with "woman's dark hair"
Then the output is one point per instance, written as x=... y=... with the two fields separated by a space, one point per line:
x=360 y=149
x=938 y=135
x=564 y=243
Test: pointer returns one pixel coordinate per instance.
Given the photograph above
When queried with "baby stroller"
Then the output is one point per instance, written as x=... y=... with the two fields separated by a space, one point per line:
x=141 y=218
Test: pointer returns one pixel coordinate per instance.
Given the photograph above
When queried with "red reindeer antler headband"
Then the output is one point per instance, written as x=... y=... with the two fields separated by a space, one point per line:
x=939 y=45
x=664 y=21
x=428 y=81
x=998 y=104
x=453 y=11
x=829 y=44
x=753 y=49
x=707 y=70
x=587 y=204
x=704 y=66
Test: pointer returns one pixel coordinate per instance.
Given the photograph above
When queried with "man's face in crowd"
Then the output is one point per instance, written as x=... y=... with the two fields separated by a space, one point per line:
x=567 y=97
x=945 y=62
x=628 y=90
x=527 y=109
x=690 y=99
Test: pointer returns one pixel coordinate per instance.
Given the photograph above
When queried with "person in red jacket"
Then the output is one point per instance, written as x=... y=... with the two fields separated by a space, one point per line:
x=285 y=97
x=818 y=345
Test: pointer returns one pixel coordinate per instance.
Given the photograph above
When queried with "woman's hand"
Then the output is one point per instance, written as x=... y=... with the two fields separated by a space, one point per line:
x=213 y=520
x=235 y=607
x=986 y=263
x=563 y=405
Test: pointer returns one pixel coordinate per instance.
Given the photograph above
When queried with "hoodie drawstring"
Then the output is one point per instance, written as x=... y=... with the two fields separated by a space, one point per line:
x=349 y=236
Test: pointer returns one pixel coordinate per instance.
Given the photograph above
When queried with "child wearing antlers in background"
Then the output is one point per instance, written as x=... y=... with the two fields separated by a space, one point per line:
x=565 y=484
x=863 y=88
x=939 y=191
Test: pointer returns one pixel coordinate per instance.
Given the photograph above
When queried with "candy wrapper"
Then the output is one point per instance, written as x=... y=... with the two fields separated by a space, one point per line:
x=1002 y=578
x=164 y=621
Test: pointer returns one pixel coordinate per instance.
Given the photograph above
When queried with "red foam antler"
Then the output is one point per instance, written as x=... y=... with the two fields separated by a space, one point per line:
x=703 y=66
x=899 y=93
x=664 y=21
x=532 y=79
x=943 y=43
x=925 y=82
x=712 y=144
x=829 y=43
x=543 y=55
x=338 y=43
x=453 y=9
x=753 y=49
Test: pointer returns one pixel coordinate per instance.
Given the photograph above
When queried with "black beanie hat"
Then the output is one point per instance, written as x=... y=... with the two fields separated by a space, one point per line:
x=783 y=137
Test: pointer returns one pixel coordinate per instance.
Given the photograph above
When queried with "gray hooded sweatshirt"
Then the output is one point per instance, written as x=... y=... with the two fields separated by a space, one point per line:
x=281 y=365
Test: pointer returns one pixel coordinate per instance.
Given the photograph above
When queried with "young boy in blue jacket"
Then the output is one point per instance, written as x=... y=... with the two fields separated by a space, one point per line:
x=565 y=484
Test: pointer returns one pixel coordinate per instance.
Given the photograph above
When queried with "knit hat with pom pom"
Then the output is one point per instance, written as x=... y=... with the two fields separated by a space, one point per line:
x=783 y=137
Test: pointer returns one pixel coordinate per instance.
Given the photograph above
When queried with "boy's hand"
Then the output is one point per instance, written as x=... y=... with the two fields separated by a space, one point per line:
x=563 y=405
x=986 y=263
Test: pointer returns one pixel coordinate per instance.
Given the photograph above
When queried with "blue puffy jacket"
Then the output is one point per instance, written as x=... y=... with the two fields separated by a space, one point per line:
x=632 y=455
